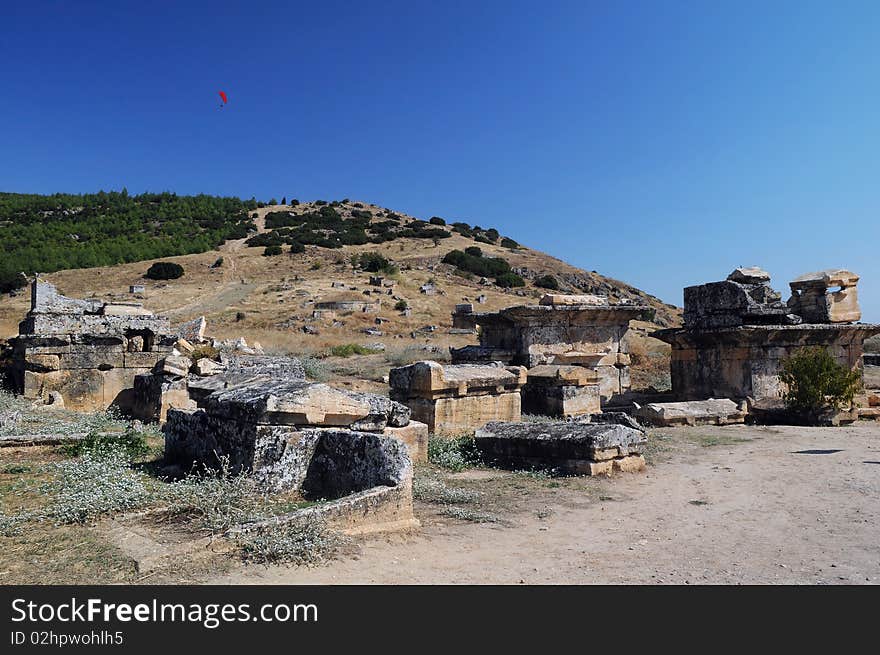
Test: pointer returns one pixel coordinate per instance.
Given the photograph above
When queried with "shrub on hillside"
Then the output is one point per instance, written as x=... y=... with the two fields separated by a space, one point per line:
x=296 y=247
x=164 y=271
x=373 y=262
x=436 y=220
x=547 y=282
x=484 y=266
x=507 y=242
x=509 y=280
x=474 y=251
x=271 y=251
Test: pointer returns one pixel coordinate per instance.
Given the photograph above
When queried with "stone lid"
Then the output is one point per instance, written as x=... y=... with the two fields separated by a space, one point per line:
x=562 y=374
x=749 y=275
x=566 y=435
x=428 y=376
x=565 y=299
x=832 y=277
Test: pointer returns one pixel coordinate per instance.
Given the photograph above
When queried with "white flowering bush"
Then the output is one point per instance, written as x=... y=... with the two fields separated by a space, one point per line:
x=216 y=500
x=434 y=491
x=305 y=541
x=94 y=484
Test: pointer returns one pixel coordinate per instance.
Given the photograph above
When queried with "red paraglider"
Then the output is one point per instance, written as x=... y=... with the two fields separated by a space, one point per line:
x=222 y=97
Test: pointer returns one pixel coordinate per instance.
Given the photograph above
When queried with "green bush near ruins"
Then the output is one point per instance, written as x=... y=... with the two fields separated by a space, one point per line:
x=817 y=382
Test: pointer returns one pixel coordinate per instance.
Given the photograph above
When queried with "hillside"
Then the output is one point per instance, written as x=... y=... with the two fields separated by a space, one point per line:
x=271 y=299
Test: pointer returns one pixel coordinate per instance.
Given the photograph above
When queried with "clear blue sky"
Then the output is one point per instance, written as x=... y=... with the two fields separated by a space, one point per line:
x=662 y=143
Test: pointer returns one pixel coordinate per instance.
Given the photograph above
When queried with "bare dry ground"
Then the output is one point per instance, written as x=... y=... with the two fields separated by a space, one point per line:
x=723 y=505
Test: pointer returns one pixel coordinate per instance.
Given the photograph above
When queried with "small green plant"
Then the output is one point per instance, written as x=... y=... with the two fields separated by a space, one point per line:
x=349 y=349
x=271 y=251
x=401 y=305
x=507 y=242
x=817 y=382
x=373 y=262
x=131 y=442
x=314 y=368
x=453 y=453
x=206 y=350
x=316 y=266
x=436 y=492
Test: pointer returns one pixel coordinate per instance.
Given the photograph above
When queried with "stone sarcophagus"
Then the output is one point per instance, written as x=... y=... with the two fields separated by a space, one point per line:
x=583 y=331
x=87 y=350
x=458 y=398
x=733 y=342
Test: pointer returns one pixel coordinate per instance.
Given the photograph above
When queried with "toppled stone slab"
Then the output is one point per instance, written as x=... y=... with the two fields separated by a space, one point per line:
x=300 y=403
x=457 y=398
x=721 y=411
x=193 y=331
x=569 y=448
x=749 y=275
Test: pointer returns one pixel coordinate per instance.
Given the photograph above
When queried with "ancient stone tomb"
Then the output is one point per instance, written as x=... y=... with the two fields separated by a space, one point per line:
x=87 y=350
x=737 y=332
x=564 y=332
x=457 y=398
x=330 y=445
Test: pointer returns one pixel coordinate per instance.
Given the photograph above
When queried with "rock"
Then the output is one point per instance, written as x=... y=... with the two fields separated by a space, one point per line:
x=573 y=448
x=206 y=366
x=300 y=403
x=812 y=297
x=174 y=365
x=184 y=347
x=750 y=275
x=452 y=398
x=698 y=412
x=193 y=331
x=563 y=299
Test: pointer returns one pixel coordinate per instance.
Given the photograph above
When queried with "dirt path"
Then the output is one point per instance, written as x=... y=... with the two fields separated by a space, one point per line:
x=722 y=505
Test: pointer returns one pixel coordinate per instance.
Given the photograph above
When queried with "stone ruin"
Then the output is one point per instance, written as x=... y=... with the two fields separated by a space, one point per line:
x=88 y=351
x=328 y=444
x=452 y=399
x=568 y=448
x=737 y=332
x=574 y=347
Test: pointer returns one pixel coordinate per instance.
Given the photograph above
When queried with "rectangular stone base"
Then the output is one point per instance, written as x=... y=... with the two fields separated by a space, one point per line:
x=415 y=436
x=561 y=400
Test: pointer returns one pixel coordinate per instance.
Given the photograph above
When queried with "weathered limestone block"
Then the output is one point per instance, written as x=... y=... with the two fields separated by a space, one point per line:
x=154 y=395
x=415 y=436
x=555 y=390
x=45 y=299
x=277 y=455
x=207 y=366
x=732 y=303
x=813 y=299
x=458 y=398
x=569 y=448
x=698 y=412
x=564 y=299
x=193 y=331
x=125 y=309
x=174 y=365
x=296 y=402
